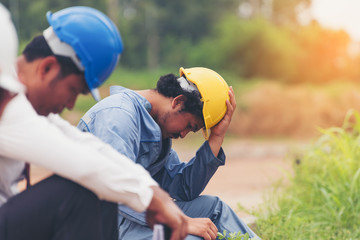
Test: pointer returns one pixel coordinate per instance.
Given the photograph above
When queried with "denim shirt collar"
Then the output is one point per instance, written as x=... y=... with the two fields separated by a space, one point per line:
x=143 y=100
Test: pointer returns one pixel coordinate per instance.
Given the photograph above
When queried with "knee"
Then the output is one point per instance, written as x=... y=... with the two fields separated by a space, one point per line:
x=71 y=198
x=77 y=192
x=58 y=189
x=214 y=204
x=211 y=202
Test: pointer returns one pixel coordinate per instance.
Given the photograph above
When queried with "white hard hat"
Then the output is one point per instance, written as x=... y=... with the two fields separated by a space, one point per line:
x=8 y=52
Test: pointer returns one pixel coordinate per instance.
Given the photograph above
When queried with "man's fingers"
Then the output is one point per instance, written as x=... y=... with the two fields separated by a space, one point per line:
x=207 y=236
x=231 y=103
x=232 y=97
x=230 y=108
x=213 y=231
x=212 y=235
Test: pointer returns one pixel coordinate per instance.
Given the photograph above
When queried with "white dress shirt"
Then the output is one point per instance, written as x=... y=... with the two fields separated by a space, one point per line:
x=56 y=145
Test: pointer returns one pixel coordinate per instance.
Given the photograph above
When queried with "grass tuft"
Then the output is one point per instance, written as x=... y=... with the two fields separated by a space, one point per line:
x=322 y=200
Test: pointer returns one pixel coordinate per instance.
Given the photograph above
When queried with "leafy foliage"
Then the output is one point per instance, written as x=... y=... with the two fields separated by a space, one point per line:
x=250 y=48
x=270 y=43
x=286 y=11
x=163 y=32
x=30 y=16
x=322 y=199
x=234 y=236
x=259 y=48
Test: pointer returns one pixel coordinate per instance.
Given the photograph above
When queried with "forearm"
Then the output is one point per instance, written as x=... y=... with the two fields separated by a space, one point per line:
x=215 y=143
x=185 y=181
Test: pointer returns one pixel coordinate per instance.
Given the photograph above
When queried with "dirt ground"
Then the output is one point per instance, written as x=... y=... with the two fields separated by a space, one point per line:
x=251 y=169
x=249 y=173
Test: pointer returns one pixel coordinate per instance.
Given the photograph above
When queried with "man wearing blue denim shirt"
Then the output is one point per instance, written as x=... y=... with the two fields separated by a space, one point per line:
x=141 y=124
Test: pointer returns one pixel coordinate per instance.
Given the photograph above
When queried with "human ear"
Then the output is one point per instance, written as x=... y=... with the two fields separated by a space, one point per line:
x=178 y=101
x=48 y=68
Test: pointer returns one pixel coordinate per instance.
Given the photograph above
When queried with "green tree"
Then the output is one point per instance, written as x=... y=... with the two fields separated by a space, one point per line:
x=259 y=48
x=280 y=12
x=164 y=31
x=286 y=11
x=30 y=16
x=250 y=48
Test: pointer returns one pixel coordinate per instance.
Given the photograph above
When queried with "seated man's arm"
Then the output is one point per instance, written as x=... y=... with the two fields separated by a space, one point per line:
x=27 y=137
x=183 y=181
x=186 y=181
x=218 y=131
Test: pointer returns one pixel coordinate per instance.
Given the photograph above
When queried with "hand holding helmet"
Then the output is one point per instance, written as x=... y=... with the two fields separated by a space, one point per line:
x=221 y=127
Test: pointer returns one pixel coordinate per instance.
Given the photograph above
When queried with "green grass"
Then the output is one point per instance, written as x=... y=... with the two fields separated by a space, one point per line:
x=234 y=236
x=322 y=200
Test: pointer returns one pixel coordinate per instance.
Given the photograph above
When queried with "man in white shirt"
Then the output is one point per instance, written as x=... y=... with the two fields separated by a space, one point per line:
x=59 y=208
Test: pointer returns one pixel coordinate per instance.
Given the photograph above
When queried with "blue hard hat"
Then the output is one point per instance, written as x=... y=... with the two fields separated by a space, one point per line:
x=94 y=38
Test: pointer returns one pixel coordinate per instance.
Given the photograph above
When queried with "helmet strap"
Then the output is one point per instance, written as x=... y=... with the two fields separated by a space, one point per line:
x=186 y=85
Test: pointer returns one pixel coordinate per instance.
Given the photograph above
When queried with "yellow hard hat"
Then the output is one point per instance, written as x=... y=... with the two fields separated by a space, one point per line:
x=214 y=92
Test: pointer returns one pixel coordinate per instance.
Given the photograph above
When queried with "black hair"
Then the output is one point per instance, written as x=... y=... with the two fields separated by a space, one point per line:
x=168 y=86
x=38 y=48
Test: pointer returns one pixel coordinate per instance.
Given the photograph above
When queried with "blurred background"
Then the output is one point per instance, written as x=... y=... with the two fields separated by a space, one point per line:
x=294 y=64
x=295 y=68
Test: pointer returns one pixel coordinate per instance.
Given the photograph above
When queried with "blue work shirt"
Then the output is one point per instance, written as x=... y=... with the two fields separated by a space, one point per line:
x=123 y=120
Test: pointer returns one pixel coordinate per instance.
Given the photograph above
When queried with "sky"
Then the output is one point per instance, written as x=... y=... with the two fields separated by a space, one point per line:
x=338 y=14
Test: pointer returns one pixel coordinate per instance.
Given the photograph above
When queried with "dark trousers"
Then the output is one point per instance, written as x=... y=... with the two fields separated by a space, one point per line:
x=57 y=209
